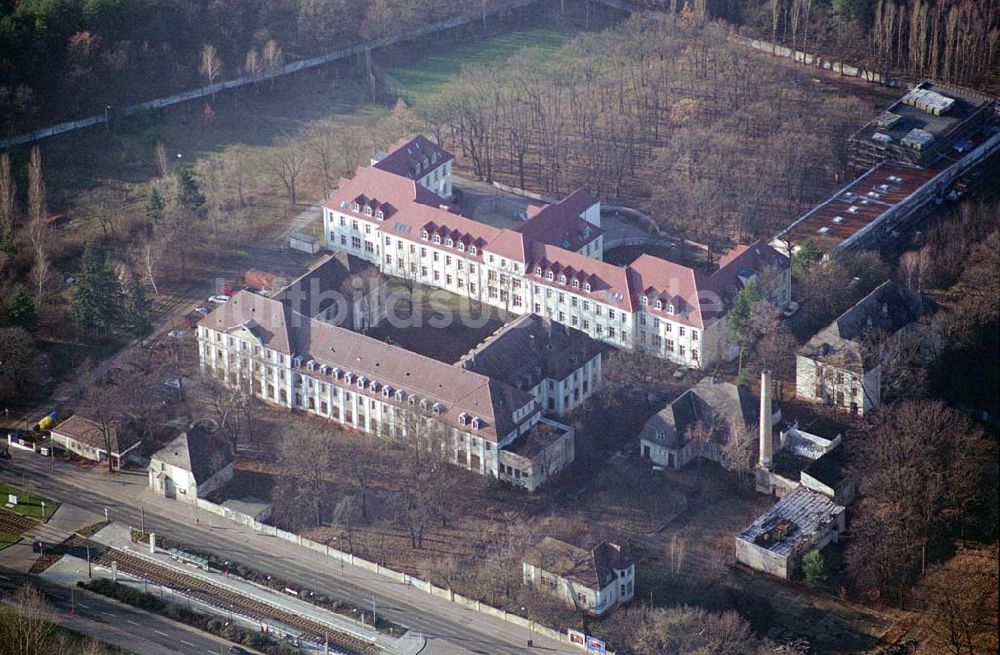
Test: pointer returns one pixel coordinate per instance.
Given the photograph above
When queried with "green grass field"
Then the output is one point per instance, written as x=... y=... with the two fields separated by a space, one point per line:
x=28 y=504
x=425 y=76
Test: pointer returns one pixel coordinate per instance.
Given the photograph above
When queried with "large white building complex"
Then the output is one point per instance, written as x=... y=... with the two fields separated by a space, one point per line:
x=395 y=215
x=483 y=415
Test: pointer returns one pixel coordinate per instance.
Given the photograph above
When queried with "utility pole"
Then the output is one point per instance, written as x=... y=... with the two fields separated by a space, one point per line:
x=374 y=620
x=142 y=519
x=88 y=562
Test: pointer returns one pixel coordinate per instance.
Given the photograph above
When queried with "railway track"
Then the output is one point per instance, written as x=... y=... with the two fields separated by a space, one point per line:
x=225 y=599
x=15 y=523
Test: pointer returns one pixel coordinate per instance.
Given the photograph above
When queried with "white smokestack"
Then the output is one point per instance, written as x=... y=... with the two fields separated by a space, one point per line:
x=766 y=440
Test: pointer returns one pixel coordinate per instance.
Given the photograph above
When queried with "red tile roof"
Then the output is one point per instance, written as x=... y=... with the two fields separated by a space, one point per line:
x=560 y=224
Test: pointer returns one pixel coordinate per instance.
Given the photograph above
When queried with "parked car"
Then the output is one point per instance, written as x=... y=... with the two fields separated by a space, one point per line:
x=202 y=310
x=236 y=650
x=219 y=299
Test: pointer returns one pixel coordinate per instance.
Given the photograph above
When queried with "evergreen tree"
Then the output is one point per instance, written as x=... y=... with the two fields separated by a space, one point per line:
x=814 y=569
x=97 y=304
x=188 y=193
x=138 y=311
x=807 y=255
x=740 y=316
x=22 y=310
x=155 y=206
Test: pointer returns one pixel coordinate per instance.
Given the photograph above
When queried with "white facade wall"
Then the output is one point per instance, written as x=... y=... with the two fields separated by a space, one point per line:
x=276 y=379
x=503 y=283
x=843 y=388
x=180 y=483
x=588 y=599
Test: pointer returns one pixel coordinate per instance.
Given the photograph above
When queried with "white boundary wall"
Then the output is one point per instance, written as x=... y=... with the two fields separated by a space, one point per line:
x=422 y=585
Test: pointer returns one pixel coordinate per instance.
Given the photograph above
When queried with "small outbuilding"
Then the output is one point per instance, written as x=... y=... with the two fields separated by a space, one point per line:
x=801 y=521
x=89 y=440
x=592 y=581
x=195 y=463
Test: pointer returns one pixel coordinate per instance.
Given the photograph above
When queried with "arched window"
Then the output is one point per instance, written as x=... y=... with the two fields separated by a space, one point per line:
x=472 y=250
x=538 y=270
x=549 y=275
x=379 y=215
x=562 y=279
x=368 y=210
x=423 y=234
x=356 y=206
x=461 y=246
x=437 y=238
x=576 y=284
x=586 y=286
x=644 y=300
x=659 y=304
x=448 y=242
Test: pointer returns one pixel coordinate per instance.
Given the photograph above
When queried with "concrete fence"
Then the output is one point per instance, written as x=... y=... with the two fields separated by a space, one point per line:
x=396 y=576
x=281 y=71
x=819 y=61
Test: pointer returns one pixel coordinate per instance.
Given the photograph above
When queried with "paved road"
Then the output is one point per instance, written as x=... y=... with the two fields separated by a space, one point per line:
x=447 y=627
x=115 y=623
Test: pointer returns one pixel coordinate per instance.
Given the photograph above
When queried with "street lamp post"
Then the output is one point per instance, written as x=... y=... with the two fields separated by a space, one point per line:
x=531 y=628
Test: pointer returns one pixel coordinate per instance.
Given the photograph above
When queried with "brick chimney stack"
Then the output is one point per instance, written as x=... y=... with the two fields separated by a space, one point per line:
x=766 y=438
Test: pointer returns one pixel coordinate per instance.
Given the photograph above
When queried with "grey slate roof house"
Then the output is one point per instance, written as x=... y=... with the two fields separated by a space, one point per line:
x=700 y=423
x=837 y=368
x=194 y=464
x=593 y=581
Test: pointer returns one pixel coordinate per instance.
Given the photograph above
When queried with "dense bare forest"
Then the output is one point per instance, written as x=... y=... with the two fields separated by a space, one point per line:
x=67 y=58
x=663 y=113
x=950 y=40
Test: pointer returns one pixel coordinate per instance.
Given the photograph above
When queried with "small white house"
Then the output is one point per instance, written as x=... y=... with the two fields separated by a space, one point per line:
x=195 y=463
x=87 y=439
x=592 y=581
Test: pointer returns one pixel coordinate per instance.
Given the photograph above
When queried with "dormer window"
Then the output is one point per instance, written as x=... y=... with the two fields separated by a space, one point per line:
x=368 y=210
x=373 y=386
x=412 y=399
x=476 y=422
x=586 y=286
x=424 y=404
x=644 y=300
x=349 y=378
x=448 y=242
x=549 y=275
x=562 y=279
x=472 y=250
x=461 y=247
x=400 y=395
x=437 y=408
x=386 y=391
x=538 y=270
x=356 y=207
x=380 y=215
x=423 y=234
x=576 y=284
x=361 y=382
x=336 y=373
x=296 y=361
x=311 y=365
x=437 y=238
x=463 y=418
x=659 y=304
x=670 y=309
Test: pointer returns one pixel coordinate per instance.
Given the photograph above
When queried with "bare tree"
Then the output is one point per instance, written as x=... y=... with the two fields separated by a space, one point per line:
x=286 y=162
x=961 y=596
x=27 y=623
x=39 y=231
x=8 y=194
x=211 y=65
